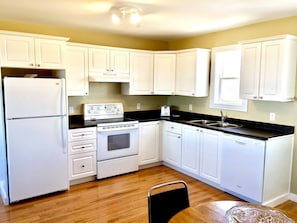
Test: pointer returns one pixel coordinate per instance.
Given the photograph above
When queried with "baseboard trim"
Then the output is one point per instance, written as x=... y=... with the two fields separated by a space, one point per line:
x=293 y=197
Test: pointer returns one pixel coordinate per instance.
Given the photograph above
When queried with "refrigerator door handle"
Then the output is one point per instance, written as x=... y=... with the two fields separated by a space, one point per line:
x=63 y=97
x=64 y=119
x=64 y=134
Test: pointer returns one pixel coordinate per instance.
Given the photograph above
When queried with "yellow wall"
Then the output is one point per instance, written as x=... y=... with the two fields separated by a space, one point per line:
x=111 y=92
x=232 y=36
x=286 y=113
x=85 y=36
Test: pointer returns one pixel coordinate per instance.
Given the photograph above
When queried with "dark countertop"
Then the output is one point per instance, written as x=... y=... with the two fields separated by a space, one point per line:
x=258 y=130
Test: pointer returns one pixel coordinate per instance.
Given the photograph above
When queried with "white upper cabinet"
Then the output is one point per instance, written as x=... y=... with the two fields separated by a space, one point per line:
x=21 y=50
x=164 y=73
x=268 y=69
x=141 y=74
x=77 y=70
x=109 y=64
x=192 y=72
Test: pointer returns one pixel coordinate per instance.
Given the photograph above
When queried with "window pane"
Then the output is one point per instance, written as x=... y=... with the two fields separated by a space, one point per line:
x=229 y=91
x=231 y=64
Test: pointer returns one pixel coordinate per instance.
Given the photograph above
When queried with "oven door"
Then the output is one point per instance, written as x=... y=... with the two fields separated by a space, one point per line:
x=116 y=143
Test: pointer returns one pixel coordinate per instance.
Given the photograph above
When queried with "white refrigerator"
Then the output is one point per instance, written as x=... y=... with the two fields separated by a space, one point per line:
x=36 y=136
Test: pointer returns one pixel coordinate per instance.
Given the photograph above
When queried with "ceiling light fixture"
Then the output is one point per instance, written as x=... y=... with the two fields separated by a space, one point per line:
x=133 y=15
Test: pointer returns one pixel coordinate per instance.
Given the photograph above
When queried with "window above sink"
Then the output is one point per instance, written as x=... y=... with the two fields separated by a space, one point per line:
x=225 y=79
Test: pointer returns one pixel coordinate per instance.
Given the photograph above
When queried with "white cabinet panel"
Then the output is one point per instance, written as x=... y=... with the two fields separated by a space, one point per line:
x=171 y=143
x=268 y=69
x=191 y=149
x=192 y=72
x=164 y=73
x=17 y=51
x=22 y=50
x=149 y=142
x=141 y=74
x=49 y=53
x=109 y=65
x=82 y=165
x=81 y=134
x=210 y=155
x=77 y=78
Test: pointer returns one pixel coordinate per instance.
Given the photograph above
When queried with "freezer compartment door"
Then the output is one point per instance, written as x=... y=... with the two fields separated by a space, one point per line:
x=37 y=157
x=34 y=97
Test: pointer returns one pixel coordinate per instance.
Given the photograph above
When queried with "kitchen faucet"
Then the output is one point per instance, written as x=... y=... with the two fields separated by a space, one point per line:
x=223 y=117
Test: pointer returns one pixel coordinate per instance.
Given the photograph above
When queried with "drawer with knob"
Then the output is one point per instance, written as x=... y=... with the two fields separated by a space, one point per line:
x=81 y=134
x=82 y=146
x=82 y=151
x=82 y=165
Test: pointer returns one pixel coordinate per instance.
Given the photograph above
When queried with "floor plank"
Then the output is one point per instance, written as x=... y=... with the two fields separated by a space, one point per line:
x=121 y=199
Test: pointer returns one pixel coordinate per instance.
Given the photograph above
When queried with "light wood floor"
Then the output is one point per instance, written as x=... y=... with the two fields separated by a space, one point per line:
x=118 y=199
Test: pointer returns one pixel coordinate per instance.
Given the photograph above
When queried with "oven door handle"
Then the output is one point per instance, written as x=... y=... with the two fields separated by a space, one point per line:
x=100 y=129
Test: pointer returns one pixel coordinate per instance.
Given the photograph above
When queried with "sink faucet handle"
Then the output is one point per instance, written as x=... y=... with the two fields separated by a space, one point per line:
x=223 y=117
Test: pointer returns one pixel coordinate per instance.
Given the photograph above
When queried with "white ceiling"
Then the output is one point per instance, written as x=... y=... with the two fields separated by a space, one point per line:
x=162 y=19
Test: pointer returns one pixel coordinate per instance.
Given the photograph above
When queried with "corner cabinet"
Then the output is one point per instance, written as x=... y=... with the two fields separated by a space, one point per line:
x=141 y=74
x=149 y=151
x=164 y=73
x=108 y=64
x=82 y=152
x=268 y=68
x=77 y=78
x=192 y=72
x=21 y=50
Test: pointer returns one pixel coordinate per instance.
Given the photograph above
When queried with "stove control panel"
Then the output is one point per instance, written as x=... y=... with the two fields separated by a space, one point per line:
x=103 y=111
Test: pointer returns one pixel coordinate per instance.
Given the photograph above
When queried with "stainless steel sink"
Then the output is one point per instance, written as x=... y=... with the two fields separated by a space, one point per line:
x=214 y=124
x=220 y=124
x=202 y=122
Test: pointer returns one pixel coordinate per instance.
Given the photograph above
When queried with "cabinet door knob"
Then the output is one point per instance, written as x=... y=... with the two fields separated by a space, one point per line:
x=83 y=166
x=255 y=97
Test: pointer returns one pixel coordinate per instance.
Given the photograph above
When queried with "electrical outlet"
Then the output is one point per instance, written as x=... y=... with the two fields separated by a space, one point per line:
x=138 y=106
x=272 y=116
x=190 y=107
x=71 y=110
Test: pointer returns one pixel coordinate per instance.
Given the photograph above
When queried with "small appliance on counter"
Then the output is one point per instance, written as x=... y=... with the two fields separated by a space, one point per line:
x=165 y=111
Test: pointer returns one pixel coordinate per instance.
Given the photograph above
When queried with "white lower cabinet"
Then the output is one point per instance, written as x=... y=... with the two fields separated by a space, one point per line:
x=210 y=155
x=82 y=152
x=149 y=151
x=172 y=143
x=191 y=149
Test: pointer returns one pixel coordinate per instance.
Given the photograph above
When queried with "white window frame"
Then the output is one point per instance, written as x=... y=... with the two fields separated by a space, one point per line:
x=216 y=99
